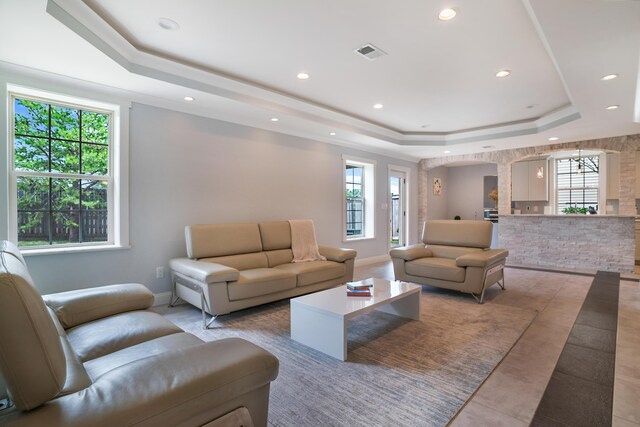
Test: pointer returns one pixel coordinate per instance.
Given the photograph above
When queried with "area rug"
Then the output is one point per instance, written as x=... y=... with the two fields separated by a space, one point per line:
x=399 y=372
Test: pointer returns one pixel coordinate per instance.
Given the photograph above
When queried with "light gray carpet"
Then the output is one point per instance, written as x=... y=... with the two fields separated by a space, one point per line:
x=399 y=372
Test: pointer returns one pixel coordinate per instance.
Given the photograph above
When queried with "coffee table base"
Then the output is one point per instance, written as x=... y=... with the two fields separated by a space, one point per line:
x=327 y=331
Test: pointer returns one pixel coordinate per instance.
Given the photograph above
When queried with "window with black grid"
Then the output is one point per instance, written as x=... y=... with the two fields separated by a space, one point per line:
x=577 y=182
x=355 y=203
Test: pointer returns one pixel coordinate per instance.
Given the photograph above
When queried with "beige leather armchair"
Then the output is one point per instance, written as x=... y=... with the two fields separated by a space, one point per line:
x=99 y=357
x=454 y=255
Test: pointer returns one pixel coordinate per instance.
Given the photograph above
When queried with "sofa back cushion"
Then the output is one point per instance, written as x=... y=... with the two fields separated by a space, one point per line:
x=473 y=234
x=216 y=240
x=241 y=262
x=32 y=360
x=451 y=252
x=279 y=257
x=275 y=235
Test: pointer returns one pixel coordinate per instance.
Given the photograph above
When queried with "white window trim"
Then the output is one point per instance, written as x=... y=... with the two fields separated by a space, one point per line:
x=369 y=197
x=118 y=221
x=407 y=176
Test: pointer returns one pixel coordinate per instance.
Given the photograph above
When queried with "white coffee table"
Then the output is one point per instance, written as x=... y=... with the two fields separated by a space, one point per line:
x=319 y=320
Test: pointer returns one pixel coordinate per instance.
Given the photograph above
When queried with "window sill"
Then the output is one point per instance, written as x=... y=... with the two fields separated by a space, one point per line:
x=72 y=249
x=357 y=239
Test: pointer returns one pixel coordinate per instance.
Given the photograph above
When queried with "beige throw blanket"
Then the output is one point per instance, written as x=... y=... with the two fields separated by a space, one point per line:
x=303 y=241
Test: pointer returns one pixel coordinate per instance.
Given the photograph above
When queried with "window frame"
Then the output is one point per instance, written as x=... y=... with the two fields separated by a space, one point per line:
x=117 y=176
x=368 y=197
x=557 y=189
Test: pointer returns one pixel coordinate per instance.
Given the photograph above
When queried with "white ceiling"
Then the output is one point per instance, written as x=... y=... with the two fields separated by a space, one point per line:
x=239 y=59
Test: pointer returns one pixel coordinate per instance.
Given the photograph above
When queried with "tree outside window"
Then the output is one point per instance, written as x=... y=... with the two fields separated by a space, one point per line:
x=61 y=163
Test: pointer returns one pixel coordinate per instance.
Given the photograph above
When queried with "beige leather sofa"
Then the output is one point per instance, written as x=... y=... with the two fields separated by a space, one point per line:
x=235 y=266
x=456 y=256
x=98 y=357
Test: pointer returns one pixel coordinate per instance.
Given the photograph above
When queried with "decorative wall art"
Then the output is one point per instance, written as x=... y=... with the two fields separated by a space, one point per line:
x=437 y=186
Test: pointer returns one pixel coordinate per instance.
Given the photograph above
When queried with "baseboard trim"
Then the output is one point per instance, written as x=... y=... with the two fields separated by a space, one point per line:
x=371 y=260
x=162 y=299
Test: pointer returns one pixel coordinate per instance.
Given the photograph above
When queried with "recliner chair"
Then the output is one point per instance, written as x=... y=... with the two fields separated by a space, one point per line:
x=99 y=357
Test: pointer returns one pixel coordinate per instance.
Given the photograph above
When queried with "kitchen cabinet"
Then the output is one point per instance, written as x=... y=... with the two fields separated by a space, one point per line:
x=526 y=185
x=637 y=241
x=613 y=176
x=637 y=174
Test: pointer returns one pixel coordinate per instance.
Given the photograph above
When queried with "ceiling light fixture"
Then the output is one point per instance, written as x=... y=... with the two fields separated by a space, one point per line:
x=303 y=76
x=378 y=106
x=447 y=14
x=447 y=151
x=613 y=107
x=609 y=77
x=332 y=133
x=168 y=24
x=274 y=119
x=553 y=138
x=189 y=98
x=503 y=73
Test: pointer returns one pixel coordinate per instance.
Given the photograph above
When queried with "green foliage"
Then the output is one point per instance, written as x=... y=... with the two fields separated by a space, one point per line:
x=354 y=193
x=575 y=210
x=58 y=139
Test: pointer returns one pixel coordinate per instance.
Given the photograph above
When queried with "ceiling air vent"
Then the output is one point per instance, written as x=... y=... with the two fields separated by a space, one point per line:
x=370 y=52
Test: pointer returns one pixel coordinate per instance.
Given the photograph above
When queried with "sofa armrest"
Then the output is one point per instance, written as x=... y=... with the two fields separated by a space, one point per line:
x=188 y=386
x=202 y=271
x=337 y=254
x=482 y=258
x=85 y=305
x=409 y=253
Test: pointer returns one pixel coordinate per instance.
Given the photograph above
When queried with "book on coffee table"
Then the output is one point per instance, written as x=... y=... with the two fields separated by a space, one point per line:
x=359 y=292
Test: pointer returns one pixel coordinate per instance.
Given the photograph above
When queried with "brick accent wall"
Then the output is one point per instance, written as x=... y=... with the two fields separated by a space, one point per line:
x=581 y=242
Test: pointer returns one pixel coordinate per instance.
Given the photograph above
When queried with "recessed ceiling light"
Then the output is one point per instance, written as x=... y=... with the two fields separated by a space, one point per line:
x=447 y=151
x=274 y=119
x=168 y=24
x=303 y=76
x=553 y=138
x=189 y=98
x=503 y=73
x=447 y=14
x=613 y=107
x=378 y=106
x=609 y=77
x=332 y=133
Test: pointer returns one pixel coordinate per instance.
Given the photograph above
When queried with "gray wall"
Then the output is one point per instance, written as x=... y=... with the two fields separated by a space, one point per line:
x=466 y=190
x=437 y=205
x=189 y=169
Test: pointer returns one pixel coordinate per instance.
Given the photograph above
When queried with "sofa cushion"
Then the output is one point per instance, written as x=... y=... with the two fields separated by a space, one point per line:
x=436 y=268
x=452 y=252
x=241 y=262
x=313 y=272
x=104 y=336
x=275 y=235
x=101 y=365
x=281 y=256
x=260 y=281
x=214 y=240
x=474 y=234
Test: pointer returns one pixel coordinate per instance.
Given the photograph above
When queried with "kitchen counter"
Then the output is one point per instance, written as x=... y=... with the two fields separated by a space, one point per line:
x=581 y=242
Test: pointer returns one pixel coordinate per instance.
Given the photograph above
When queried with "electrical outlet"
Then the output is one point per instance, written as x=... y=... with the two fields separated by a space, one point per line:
x=159 y=272
x=535 y=208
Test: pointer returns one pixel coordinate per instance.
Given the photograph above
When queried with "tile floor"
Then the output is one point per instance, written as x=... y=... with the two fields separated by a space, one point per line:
x=511 y=394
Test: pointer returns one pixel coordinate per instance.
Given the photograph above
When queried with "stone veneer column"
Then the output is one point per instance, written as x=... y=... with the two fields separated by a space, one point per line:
x=504 y=188
x=627 y=201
